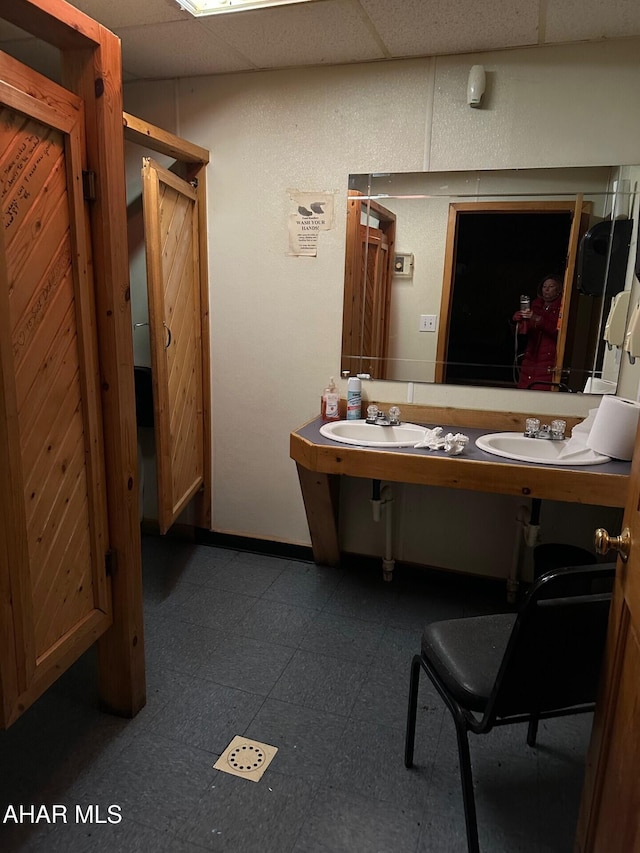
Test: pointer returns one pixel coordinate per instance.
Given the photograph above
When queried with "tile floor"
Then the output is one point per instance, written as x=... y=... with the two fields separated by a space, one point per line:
x=313 y=661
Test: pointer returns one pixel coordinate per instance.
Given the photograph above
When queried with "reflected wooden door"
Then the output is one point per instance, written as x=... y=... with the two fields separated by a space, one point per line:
x=610 y=812
x=54 y=593
x=173 y=284
x=367 y=293
x=374 y=343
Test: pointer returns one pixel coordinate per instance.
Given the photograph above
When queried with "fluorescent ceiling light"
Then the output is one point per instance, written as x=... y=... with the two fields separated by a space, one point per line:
x=199 y=8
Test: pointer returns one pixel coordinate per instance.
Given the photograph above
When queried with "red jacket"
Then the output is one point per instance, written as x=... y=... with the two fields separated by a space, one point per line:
x=539 y=358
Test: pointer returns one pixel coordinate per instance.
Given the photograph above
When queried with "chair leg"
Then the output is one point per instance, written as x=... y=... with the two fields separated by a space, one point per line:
x=412 y=711
x=466 y=778
x=532 y=730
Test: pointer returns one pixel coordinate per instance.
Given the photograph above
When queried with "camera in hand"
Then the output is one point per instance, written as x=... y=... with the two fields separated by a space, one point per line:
x=525 y=308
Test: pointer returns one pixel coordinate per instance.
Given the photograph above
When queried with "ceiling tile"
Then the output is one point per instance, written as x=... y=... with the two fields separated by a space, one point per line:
x=115 y=14
x=38 y=55
x=327 y=32
x=181 y=49
x=419 y=28
x=578 y=20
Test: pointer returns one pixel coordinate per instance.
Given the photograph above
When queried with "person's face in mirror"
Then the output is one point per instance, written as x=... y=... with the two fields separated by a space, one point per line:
x=550 y=290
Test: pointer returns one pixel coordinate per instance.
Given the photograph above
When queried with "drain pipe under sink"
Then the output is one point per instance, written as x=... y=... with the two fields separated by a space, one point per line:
x=528 y=521
x=382 y=499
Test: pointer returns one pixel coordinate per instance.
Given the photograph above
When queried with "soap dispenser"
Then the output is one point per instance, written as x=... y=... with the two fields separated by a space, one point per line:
x=329 y=407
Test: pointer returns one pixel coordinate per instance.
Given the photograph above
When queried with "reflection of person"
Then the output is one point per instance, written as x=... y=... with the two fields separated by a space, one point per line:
x=540 y=325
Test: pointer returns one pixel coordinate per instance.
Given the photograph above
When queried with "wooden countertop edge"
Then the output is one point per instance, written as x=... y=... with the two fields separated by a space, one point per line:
x=531 y=481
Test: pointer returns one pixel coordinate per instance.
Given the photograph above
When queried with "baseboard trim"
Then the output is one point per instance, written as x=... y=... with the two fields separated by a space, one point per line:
x=285 y=550
x=269 y=547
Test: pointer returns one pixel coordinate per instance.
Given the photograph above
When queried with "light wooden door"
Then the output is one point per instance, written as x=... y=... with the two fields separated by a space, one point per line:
x=610 y=812
x=54 y=593
x=173 y=284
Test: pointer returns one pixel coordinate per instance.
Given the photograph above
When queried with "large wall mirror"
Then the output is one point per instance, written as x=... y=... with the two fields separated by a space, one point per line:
x=436 y=264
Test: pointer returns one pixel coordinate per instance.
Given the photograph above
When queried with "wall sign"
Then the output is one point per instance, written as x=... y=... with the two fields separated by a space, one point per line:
x=311 y=213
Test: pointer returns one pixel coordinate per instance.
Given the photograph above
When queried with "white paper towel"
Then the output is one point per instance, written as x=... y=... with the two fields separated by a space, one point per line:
x=614 y=427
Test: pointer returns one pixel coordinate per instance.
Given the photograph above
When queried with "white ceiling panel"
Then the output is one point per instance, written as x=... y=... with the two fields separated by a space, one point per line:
x=419 y=28
x=328 y=32
x=581 y=20
x=180 y=49
x=115 y=14
x=160 y=40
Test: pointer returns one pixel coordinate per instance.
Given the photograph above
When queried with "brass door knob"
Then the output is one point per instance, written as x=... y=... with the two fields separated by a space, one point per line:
x=604 y=543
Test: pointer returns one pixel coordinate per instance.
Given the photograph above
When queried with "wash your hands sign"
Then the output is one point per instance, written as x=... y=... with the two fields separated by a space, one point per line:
x=310 y=214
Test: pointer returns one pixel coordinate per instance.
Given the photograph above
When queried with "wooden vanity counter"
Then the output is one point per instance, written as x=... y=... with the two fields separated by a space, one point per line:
x=320 y=462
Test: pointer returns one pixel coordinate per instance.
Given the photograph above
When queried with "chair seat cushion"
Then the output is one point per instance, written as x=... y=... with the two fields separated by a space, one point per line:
x=466 y=654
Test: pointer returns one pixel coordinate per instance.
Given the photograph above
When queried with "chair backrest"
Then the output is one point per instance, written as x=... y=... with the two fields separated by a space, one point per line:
x=555 y=651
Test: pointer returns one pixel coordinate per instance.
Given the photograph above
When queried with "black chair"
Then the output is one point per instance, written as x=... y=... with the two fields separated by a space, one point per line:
x=508 y=668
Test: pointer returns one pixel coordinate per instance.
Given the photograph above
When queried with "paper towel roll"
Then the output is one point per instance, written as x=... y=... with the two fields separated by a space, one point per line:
x=614 y=427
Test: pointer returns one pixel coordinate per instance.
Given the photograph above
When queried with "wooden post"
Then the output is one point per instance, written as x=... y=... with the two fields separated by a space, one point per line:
x=91 y=68
x=320 y=494
x=96 y=76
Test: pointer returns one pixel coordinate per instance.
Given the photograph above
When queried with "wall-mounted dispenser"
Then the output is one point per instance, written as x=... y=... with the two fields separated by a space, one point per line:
x=632 y=338
x=476 y=85
x=614 y=330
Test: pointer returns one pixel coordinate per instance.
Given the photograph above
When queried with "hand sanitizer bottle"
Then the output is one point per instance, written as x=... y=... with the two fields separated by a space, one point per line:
x=354 y=398
x=329 y=409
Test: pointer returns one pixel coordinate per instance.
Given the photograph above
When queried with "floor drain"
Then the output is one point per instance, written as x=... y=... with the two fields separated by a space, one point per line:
x=247 y=758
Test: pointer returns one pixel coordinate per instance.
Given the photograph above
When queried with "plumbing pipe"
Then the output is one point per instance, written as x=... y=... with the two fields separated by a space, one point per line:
x=375 y=499
x=528 y=520
x=532 y=528
x=513 y=580
x=382 y=498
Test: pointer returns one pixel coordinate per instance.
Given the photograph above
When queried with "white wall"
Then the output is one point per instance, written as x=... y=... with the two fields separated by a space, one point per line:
x=276 y=319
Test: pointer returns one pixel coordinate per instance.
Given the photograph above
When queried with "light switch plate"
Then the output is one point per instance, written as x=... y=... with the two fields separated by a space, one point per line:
x=427 y=323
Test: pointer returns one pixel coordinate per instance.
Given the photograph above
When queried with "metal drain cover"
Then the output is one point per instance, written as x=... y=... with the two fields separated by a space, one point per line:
x=246 y=758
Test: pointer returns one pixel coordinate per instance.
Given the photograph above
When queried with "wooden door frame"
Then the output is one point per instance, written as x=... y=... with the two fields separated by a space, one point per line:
x=190 y=164
x=92 y=68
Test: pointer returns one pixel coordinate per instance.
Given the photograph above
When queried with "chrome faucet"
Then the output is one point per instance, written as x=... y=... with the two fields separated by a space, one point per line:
x=553 y=432
x=380 y=418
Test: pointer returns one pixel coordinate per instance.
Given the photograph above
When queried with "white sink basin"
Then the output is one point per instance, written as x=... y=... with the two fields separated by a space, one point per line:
x=513 y=445
x=373 y=435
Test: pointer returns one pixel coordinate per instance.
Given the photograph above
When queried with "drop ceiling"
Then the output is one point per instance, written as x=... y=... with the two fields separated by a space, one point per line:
x=160 y=40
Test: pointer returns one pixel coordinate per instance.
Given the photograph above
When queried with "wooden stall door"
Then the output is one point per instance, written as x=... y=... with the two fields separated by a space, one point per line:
x=610 y=812
x=171 y=239
x=54 y=594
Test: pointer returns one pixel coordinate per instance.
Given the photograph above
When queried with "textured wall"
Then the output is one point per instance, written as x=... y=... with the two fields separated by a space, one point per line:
x=276 y=320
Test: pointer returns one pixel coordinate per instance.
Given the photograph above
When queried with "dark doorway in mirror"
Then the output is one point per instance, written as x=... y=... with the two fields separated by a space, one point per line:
x=497 y=252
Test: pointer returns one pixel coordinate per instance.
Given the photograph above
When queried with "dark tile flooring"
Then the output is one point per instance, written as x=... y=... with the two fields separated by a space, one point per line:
x=313 y=661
